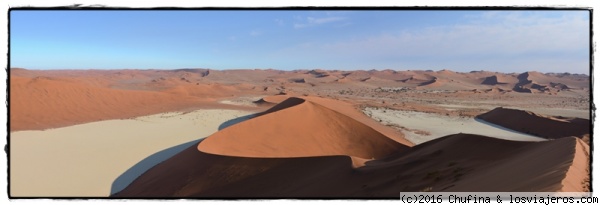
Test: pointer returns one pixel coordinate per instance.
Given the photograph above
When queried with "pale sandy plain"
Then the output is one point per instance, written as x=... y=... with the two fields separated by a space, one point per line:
x=100 y=158
x=436 y=126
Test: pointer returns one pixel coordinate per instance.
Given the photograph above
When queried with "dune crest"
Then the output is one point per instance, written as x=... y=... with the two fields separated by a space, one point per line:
x=438 y=165
x=309 y=135
x=58 y=102
x=540 y=125
x=300 y=128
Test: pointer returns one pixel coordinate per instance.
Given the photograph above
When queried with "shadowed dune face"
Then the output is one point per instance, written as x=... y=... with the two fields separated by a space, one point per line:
x=300 y=128
x=439 y=165
x=495 y=80
x=539 y=125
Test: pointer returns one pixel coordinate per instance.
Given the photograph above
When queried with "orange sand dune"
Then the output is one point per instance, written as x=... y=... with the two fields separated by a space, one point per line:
x=352 y=111
x=40 y=103
x=303 y=148
x=345 y=108
x=92 y=95
x=41 y=99
x=435 y=82
x=299 y=128
x=308 y=146
x=439 y=165
x=536 y=124
x=418 y=79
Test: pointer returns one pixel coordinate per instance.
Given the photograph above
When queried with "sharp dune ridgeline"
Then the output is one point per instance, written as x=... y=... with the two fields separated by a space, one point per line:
x=551 y=127
x=265 y=133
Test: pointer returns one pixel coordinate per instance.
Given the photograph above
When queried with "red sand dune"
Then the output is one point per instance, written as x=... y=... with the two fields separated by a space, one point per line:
x=342 y=80
x=540 y=125
x=41 y=99
x=305 y=148
x=417 y=79
x=310 y=146
x=440 y=165
x=344 y=108
x=300 y=128
x=435 y=82
x=39 y=103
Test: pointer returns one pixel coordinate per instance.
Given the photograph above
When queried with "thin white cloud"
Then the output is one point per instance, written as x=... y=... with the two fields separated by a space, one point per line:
x=511 y=35
x=256 y=33
x=280 y=22
x=494 y=39
x=313 y=21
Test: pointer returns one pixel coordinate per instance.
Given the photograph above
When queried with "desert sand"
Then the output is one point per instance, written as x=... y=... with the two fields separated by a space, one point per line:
x=100 y=158
x=420 y=127
x=443 y=164
x=301 y=133
x=550 y=127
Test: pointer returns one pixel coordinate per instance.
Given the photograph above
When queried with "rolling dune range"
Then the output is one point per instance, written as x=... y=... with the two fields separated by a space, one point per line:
x=268 y=168
x=310 y=136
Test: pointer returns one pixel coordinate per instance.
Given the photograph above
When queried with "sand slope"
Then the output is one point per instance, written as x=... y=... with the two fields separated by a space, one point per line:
x=439 y=165
x=100 y=158
x=58 y=98
x=299 y=128
x=41 y=99
x=551 y=127
x=302 y=149
x=419 y=127
x=44 y=102
x=306 y=146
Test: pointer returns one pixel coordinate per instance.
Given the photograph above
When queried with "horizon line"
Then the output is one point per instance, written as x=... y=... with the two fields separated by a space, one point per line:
x=292 y=70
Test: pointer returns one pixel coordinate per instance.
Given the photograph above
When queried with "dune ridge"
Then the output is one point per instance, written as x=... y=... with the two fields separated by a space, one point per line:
x=439 y=165
x=49 y=102
x=540 y=125
x=300 y=128
x=242 y=161
x=92 y=95
x=311 y=138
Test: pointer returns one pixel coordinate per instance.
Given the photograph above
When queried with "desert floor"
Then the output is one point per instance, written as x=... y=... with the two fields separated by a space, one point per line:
x=100 y=158
x=419 y=127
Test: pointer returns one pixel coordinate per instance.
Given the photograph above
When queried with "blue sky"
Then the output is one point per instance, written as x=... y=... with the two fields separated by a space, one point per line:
x=505 y=41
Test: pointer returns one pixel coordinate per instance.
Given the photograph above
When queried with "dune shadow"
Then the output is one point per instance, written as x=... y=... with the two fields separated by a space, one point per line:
x=504 y=128
x=147 y=163
x=236 y=120
x=144 y=165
